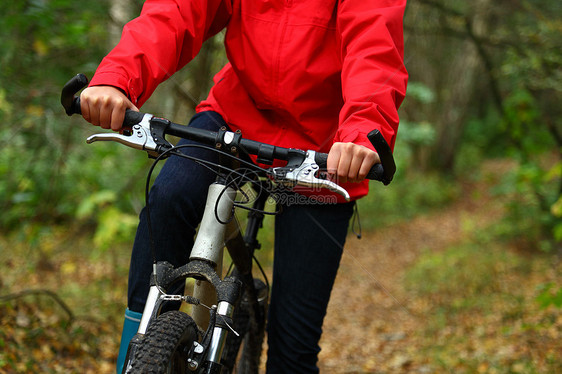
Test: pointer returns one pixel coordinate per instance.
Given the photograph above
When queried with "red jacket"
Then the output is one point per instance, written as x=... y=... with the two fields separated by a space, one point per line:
x=302 y=73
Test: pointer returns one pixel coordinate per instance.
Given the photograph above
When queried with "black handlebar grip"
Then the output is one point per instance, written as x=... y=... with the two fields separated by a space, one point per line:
x=376 y=173
x=132 y=118
x=385 y=154
x=71 y=103
x=321 y=159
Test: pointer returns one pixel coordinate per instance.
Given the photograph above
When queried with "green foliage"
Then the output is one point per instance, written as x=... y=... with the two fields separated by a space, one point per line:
x=45 y=168
x=415 y=137
x=44 y=178
x=536 y=181
x=35 y=34
x=113 y=226
x=531 y=209
x=534 y=58
x=416 y=134
x=532 y=121
x=549 y=295
x=420 y=92
x=523 y=125
x=533 y=184
x=483 y=138
x=45 y=42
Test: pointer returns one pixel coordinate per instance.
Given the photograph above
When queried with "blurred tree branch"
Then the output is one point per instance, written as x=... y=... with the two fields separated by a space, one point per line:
x=41 y=292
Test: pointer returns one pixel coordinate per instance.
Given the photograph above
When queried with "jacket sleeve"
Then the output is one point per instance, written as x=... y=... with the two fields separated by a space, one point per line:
x=164 y=38
x=374 y=77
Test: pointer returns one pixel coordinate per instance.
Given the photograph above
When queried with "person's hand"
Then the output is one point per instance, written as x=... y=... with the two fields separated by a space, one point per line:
x=105 y=106
x=351 y=162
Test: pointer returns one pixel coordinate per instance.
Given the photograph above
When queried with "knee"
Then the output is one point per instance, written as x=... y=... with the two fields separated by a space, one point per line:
x=173 y=202
x=165 y=196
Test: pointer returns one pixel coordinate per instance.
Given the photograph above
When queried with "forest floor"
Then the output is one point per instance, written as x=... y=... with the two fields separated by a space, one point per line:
x=436 y=294
x=440 y=294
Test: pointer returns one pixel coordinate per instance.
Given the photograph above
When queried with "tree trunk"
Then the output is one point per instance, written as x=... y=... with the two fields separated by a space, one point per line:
x=465 y=70
x=120 y=13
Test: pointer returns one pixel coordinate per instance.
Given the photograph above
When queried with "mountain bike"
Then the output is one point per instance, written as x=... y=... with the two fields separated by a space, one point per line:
x=225 y=331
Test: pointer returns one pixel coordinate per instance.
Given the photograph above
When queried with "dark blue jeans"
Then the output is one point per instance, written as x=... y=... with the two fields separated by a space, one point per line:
x=308 y=246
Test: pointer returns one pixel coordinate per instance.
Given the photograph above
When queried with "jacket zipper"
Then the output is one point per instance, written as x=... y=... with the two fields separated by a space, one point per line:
x=278 y=55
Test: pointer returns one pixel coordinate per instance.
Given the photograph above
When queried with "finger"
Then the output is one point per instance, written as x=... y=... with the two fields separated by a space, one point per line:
x=93 y=110
x=333 y=160
x=371 y=159
x=355 y=166
x=344 y=165
x=94 y=113
x=360 y=155
x=84 y=107
x=105 y=115
x=117 y=117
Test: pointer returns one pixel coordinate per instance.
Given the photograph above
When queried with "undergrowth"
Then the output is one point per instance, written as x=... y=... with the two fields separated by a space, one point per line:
x=484 y=311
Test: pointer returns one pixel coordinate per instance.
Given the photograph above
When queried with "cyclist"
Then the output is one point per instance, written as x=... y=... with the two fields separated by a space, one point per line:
x=309 y=74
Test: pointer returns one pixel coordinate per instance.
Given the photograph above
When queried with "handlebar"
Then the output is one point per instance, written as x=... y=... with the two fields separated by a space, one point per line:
x=232 y=142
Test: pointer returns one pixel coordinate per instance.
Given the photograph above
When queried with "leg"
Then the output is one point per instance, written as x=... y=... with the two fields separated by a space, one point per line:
x=308 y=247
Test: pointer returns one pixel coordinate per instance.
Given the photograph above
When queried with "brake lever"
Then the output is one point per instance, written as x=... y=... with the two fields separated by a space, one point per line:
x=140 y=137
x=304 y=175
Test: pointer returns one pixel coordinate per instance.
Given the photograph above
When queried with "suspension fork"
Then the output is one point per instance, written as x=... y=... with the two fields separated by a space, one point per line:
x=216 y=225
x=241 y=250
x=209 y=244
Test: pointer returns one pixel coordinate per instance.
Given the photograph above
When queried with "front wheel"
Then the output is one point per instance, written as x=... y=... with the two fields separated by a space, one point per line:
x=165 y=346
x=242 y=353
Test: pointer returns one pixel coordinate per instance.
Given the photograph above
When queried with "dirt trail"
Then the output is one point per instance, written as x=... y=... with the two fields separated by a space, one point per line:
x=370 y=318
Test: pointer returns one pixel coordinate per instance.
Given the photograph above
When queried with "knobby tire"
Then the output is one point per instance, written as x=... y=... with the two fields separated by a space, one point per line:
x=165 y=346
